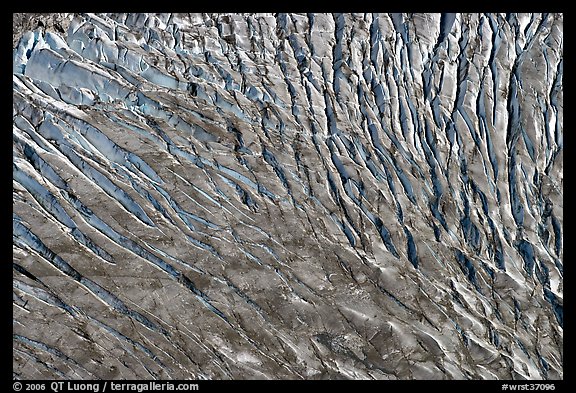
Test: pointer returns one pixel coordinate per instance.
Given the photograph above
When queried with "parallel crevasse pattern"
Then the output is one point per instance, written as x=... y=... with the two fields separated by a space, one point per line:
x=289 y=196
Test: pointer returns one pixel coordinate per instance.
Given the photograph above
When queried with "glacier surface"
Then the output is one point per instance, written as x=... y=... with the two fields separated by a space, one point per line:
x=298 y=196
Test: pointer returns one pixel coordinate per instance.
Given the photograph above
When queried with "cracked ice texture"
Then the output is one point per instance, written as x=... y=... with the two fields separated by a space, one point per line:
x=288 y=196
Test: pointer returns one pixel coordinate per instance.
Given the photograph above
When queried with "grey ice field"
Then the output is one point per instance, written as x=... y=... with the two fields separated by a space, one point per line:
x=294 y=196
